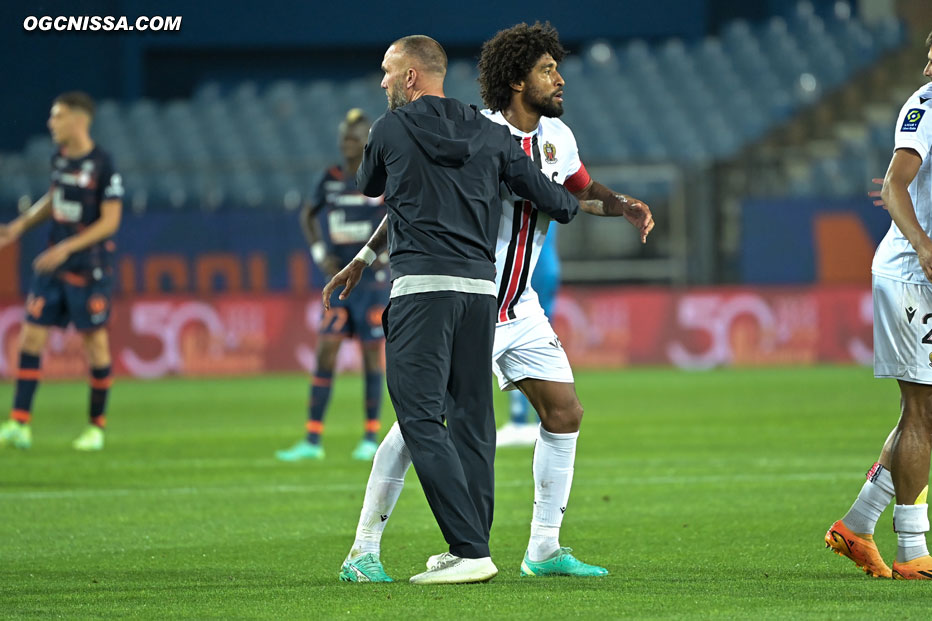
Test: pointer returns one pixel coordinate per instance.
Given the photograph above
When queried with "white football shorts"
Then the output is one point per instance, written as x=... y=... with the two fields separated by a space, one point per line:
x=529 y=348
x=902 y=330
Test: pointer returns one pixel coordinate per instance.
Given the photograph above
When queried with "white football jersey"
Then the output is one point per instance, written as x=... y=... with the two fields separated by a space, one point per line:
x=895 y=257
x=523 y=229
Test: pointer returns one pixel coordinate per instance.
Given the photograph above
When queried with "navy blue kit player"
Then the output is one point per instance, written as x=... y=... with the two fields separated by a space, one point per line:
x=74 y=275
x=337 y=221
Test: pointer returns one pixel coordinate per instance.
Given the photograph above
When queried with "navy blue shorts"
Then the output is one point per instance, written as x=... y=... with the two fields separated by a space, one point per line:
x=360 y=315
x=60 y=299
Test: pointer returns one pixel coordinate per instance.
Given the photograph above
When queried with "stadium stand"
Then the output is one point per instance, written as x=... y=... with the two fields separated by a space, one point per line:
x=690 y=103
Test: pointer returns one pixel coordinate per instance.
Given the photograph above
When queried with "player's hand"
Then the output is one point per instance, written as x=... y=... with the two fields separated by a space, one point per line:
x=9 y=233
x=49 y=260
x=638 y=213
x=875 y=194
x=924 y=252
x=347 y=278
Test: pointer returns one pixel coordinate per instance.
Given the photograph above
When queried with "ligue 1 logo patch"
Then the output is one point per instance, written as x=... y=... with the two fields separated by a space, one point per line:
x=550 y=153
x=911 y=122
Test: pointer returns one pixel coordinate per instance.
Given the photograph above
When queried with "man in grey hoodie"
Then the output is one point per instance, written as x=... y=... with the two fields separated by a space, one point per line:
x=439 y=164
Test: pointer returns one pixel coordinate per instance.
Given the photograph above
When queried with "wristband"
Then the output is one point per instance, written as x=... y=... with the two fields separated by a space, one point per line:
x=366 y=255
x=318 y=252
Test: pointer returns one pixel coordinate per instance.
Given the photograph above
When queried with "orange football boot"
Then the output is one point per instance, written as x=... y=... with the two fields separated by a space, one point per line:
x=916 y=569
x=859 y=548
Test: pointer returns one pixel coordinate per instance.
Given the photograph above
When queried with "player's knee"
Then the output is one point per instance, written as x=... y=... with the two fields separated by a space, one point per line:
x=923 y=407
x=575 y=413
x=917 y=403
x=327 y=355
x=98 y=349
x=564 y=418
x=32 y=340
x=372 y=360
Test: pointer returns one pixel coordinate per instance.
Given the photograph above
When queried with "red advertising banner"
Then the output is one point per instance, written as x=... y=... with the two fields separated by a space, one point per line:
x=599 y=327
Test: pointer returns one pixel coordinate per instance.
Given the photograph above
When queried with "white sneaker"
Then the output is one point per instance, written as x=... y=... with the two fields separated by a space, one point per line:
x=434 y=561
x=517 y=434
x=450 y=569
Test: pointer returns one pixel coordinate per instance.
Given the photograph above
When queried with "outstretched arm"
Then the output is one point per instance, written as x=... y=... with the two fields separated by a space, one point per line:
x=111 y=211
x=599 y=200
x=39 y=212
x=349 y=276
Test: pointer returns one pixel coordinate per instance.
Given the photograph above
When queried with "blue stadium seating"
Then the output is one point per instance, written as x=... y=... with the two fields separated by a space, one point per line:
x=683 y=102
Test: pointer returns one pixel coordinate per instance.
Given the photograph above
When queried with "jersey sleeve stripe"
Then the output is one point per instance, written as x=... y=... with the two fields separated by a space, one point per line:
x=578 y=180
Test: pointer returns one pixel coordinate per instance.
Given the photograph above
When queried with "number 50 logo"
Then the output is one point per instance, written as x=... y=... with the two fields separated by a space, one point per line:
x=714 y=316
x=164 y=321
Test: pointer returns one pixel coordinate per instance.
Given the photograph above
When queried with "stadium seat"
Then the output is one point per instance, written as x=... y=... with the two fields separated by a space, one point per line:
x=688 y=102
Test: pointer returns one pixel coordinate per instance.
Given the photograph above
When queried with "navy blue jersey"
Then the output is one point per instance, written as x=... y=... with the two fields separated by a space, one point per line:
x=347 y=217
x=78 y=188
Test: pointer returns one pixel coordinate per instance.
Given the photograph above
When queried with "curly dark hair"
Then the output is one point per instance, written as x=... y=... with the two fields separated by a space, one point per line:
x=510 y=55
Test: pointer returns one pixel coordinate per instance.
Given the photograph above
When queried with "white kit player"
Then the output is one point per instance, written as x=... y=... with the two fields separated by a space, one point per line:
x=525 y=93
x=902 y=293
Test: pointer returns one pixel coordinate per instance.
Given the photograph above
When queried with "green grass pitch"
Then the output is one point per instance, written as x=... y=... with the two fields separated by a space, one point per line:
x=705 y=494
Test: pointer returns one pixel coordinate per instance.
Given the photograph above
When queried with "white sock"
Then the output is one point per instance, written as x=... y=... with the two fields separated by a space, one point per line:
x=911 y=522
x=874 y=497
x=554 y=456
x=386 y=480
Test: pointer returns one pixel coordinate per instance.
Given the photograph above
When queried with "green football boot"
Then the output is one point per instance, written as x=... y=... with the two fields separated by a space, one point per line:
x=91 y=439
x=365 y=568
x=561 y=564
x=15 y=434
x=301 y=451
x=365 y=450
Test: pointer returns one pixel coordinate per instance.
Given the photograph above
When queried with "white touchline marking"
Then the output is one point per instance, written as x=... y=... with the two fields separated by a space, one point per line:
x=360 y=487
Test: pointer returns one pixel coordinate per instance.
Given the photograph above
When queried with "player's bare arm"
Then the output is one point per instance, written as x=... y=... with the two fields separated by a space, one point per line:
x=39 y=212
x=106 y=226
x=349 y=276
x=599 y=200
x=895 y=196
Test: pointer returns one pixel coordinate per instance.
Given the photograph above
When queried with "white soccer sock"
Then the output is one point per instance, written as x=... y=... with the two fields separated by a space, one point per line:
x=386 y=480
x=911 y=522
x=554 y=456
x=874 y=497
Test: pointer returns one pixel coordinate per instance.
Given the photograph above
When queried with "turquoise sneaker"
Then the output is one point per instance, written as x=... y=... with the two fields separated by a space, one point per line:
x=365 y=450
x=301 y=451
x=91 y=439
x=561 y=564
x=365 y=568
x=15 y=434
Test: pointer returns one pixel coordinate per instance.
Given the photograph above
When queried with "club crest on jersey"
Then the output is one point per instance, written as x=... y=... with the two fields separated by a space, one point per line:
x=550 y=153
x=911 y=122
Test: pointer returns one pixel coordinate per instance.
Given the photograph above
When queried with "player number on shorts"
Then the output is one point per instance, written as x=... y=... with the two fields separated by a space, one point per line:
x=335 y=318
x=67 y=211
x=927 y=339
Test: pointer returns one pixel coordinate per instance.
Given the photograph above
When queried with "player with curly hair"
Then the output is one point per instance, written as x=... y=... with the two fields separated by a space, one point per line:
x=524 y=91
